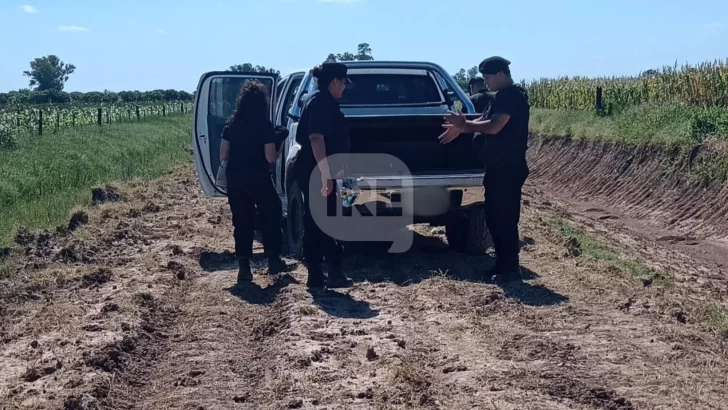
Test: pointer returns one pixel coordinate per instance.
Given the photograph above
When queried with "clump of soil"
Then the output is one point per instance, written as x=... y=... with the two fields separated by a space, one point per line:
x=151 y=208
x=44 y=244
x=573 y=247
x=105 y=194
x=24 y=237
x=78 y=252
x=80 y=402
x=101 y=276
x=77 y=219
x=177 y=268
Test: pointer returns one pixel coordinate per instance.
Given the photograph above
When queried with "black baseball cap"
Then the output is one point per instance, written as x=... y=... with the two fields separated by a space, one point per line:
x=493 y=65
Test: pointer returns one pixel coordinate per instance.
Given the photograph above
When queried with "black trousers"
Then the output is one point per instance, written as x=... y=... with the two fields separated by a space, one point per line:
x=245 y=194
x=317 y=245
x=503 y=211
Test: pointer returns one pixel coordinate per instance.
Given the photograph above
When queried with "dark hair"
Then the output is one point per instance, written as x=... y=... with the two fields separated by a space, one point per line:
x=327 y=72
x=253 y=102
x=476 y=80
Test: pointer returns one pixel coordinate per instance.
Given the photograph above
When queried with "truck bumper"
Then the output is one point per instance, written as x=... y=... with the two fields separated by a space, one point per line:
x=420 y=195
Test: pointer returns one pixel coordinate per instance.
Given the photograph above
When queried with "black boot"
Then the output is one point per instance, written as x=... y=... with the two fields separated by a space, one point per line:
x=506 y=271
x=244 y=273
x=276 y=266
x=316 y=278
x=337 y=278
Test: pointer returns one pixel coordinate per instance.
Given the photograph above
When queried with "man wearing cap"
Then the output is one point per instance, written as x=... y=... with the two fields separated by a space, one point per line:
x=322 y=132
x=501 y=138
x=478 y=96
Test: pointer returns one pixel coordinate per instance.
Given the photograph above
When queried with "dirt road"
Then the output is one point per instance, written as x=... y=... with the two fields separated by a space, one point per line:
x=135 y=309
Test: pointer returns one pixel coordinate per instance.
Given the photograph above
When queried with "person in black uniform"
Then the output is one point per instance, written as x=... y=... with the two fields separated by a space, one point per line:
x=249 y=145
x=501 y=138
x=322 y=132
x=478 y=96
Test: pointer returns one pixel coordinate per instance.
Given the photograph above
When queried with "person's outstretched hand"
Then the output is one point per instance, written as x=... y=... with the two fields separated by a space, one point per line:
x=454 y=124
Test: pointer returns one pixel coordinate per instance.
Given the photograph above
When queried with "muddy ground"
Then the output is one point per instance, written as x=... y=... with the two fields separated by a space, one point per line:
x=132 y=306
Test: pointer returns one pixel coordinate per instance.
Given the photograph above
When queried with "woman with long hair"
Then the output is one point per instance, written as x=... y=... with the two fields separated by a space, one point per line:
x=249 y=145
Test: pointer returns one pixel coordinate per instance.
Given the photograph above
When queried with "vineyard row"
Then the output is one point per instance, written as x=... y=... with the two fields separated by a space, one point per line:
x=37 y=120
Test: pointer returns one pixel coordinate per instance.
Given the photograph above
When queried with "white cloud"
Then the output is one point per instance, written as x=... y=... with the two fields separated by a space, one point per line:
x=72 y=28
x=29 y=9
x=713 y=27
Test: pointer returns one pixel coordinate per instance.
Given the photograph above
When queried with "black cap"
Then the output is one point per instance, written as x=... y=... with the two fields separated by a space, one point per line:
x=331 y=70
x=493 y=65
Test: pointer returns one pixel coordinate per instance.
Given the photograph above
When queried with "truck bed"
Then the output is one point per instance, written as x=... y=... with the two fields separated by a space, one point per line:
x=412 y=140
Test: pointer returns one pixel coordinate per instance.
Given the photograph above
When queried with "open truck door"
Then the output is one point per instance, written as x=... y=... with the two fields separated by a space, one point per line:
x=215 y=100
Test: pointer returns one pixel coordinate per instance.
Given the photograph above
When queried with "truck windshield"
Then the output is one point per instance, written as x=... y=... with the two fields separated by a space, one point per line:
x=375 y=89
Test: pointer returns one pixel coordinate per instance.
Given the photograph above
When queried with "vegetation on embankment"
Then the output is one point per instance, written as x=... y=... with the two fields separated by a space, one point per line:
x=667 y=128
x=45 y=177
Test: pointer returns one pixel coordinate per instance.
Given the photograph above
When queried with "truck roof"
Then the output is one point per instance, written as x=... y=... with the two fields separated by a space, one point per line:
x=391 y=63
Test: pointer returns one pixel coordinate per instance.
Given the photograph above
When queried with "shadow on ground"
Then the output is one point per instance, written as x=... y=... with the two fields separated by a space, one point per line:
x=429 y=256
x=342 y=305
x=255 y=294
x=371 y=262
x=226 y=260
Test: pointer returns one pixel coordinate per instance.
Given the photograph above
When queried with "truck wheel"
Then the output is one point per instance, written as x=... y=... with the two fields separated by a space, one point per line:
x=467 y=232
x=294 y=222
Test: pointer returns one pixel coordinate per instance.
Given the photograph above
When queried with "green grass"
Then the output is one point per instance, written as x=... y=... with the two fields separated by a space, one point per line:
x=598 y=251
x=666 y=127
x=44 y=178
x=662 y=125
x=718 y=319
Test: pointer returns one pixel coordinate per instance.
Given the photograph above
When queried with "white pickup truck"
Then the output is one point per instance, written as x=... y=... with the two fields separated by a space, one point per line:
x=395 y=108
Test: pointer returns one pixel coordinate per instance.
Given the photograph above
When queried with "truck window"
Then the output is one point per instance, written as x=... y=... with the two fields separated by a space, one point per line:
x=224 y=94
x=373 y=89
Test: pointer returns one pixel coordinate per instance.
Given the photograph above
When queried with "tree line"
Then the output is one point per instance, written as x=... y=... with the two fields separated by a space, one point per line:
x=49 y=74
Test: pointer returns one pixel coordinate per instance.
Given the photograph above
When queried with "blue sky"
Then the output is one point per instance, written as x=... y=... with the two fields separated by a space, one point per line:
x=143 y=45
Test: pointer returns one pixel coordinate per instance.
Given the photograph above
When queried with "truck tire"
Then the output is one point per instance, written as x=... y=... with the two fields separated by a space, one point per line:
x=294 y=222
x=467 y=232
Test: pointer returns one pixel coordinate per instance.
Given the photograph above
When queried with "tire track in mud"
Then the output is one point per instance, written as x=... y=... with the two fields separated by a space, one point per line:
x=419 y=330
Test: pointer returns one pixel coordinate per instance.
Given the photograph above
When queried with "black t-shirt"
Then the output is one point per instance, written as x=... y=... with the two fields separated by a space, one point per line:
x=247 y=139
x=507 y=149
x=321 y=115
x=480 y=100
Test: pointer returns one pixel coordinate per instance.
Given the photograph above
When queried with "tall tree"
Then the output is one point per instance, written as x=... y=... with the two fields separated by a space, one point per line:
x=363 y=53
x=247 y=67
x=462 y=77
x=49 y=73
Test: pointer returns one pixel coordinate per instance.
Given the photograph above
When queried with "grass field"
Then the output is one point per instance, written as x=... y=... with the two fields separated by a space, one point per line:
x=45 y=177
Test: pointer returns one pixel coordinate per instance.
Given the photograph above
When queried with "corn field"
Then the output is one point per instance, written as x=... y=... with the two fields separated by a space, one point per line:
x=703 y=85
x=19 y=120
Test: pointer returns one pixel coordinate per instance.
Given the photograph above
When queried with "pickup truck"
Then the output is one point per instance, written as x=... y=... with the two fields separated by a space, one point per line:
x=396 y=108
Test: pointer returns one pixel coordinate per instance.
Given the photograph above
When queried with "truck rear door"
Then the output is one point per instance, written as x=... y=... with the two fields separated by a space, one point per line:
x=214 y=103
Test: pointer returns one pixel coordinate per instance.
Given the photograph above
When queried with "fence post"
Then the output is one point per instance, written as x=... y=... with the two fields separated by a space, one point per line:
x=58 y=121
x=40 y=122
x=599 y=99
x=137 y=113
x=73 y=119
x=164 y=111
x=98 y=117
